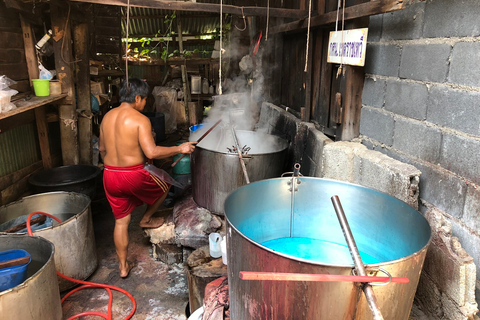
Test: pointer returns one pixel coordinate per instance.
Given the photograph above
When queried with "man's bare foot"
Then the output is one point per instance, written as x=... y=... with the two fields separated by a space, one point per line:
x=153 y=222
x=125 y=271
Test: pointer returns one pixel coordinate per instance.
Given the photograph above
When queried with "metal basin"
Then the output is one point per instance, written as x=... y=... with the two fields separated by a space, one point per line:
x=74 y=239
x=38 y=297
x=390 y=235
x=216 y=172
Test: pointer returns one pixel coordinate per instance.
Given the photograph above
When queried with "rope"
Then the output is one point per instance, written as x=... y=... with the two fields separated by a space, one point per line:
x=244 y=23
x=220 y=60
x=308 y=35
x=126 y=42
x=340 y=68
x=268 y=18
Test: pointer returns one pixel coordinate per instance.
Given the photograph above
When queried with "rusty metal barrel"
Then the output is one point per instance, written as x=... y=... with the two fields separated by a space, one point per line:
x=38 y=297
x=74 y=238
x=289 y=225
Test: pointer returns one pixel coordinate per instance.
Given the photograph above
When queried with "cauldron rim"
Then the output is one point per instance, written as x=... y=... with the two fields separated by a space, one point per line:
x=39 y=180
x=320 y=263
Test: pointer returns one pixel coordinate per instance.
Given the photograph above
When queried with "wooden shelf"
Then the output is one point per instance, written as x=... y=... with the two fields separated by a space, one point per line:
x=34 y=102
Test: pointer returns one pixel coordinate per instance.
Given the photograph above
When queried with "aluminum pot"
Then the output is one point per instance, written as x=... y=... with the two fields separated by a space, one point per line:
x=392 y=234
x=37 y=297
x=74 y=239
x=216 y=171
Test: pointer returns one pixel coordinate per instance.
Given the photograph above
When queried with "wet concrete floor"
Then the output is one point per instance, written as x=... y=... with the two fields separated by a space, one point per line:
x=160 y=291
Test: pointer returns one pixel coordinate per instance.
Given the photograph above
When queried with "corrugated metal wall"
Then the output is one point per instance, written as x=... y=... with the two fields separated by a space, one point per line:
x=18 y=149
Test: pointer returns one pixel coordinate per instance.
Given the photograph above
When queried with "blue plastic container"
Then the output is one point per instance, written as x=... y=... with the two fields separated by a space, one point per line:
x=196 y=127
x=13 y=276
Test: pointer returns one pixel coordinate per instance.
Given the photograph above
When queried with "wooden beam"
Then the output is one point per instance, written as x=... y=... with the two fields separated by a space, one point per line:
x=352 y=12
x=30 y=54
x=42 y=129
x=204 y=7
x=25 y=9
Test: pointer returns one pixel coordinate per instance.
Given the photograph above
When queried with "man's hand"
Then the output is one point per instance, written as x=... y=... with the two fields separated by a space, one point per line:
x=187 y=147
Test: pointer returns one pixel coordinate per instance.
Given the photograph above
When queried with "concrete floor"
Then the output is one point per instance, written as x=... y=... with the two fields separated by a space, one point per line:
x=160 y=291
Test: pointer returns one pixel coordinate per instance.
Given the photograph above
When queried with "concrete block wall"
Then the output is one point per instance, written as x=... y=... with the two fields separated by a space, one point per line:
x=421 y=103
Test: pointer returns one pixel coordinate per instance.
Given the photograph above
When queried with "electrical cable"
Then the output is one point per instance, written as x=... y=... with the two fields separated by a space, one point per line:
x=220 y=59
x=308 y=35
x=87 y=284
x=126 y=42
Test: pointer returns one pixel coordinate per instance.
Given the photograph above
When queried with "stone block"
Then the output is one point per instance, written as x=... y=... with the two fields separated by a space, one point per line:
x=446 y=18
x=460 y=154
x=168 y=253
x=425 y=62
x=338 y=160
x=441 y=188
x=464 y=66
x=404 y=24
x=429 y=297
x=314 y=144
x=454 y=109
x=427 y=139
x=373 y=92
x=375 y=28
x=407 y=99
x=269 y=115
x=471 y=214
x=164 y=234
x=383 y=59
x=377 y=124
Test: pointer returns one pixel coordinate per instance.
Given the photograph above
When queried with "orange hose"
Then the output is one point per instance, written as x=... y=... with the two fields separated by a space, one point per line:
x=87 y=284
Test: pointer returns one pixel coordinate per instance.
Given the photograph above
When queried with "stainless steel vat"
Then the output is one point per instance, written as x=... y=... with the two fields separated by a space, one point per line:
x=216 y=172
x=38 y=297
x=74 y=239
x=384 y=227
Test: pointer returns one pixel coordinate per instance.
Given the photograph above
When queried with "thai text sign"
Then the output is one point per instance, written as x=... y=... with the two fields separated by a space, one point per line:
x=348 y=47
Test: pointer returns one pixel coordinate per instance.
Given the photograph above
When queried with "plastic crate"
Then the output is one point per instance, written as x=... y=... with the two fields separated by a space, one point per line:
x=13 y=276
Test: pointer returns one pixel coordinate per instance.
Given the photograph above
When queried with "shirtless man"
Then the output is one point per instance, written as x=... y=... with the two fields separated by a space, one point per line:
x=125 y=142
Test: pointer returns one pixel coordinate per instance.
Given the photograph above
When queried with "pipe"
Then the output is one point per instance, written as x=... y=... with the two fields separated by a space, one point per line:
x=357 y=259
x=276 y=276
x=242 y=163
x=198 y=141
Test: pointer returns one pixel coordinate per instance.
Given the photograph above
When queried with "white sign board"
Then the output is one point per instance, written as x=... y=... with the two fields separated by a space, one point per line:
x=348 y=47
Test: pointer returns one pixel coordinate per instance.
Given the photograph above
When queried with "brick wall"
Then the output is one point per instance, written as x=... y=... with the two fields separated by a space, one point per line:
x=421 y=105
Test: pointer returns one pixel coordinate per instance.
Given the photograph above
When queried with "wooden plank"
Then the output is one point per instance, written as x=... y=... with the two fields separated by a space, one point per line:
x=352 y=12
x=35 y=102
x=14 y=39
x=11 y=55
x=15 y=71
x=25 y=9
x=18 y=175
x=203 y=7
x=16 y=121
x=64 y=66
x=42 y=129
x=30 y=53
x=80 y=35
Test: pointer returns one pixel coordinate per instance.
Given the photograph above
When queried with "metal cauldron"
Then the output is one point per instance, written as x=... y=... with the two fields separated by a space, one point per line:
x=37 y=297
x=389 y=231
x=216 y=172
x=74 y=239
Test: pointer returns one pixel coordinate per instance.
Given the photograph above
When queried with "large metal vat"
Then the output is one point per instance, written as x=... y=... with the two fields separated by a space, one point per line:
x=38 y=297
x=216 y=171
x=385 y=228
x=74 y=239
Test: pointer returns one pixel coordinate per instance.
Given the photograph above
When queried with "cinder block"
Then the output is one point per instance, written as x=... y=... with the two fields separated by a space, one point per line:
x=446 y=18
x=338 y=160
x=427 y=140
x=407 y=99
x=269 y=115
x=375 y=28
x=404 y=24
x=168 y=253
x=377 y=124
x=382 y=59
x=460 y=154
x=380 y=172
x=464 y=66
x=471 y=214
x=373 y=92
x=441 y=188
x=455 y=109
x=315 y=142
x=429 y=297
x=425 y=62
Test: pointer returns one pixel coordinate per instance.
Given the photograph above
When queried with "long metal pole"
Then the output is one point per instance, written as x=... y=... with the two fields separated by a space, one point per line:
x=242 y=163
x=352 y=246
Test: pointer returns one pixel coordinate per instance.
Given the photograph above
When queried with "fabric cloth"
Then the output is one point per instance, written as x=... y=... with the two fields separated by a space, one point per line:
x=128 y=187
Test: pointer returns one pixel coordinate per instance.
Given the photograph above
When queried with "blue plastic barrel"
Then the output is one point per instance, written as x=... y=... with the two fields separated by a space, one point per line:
x=13 y=276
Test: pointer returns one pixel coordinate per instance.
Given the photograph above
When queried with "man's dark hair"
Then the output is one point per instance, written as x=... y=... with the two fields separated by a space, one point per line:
x=135 y=87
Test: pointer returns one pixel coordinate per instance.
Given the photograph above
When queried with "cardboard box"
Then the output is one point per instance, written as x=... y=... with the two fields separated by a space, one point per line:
x=97 y=88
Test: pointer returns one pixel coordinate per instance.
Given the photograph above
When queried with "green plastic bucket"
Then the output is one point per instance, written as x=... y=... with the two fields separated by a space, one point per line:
x=41 y=87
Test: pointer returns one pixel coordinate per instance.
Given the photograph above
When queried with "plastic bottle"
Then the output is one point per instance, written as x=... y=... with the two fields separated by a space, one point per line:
x=44 y=39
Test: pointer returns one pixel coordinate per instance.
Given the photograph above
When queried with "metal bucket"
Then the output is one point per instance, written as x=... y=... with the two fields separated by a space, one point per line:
x=216 y=172
x=74 y=239
x=38 y=297
x=385 y=228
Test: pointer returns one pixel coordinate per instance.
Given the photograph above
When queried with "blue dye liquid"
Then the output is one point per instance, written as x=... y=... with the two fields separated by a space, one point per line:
x=316 y=250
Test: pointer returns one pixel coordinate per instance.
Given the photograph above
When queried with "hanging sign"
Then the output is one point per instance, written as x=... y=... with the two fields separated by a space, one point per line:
x=348 y=47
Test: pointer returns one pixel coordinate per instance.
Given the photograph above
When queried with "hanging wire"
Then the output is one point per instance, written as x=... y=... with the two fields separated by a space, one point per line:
x=308 y=35
x=268 y=18
x=220 y=59
x=340 y=68
x=126 y=42
x=64 y=35
x=244 y=23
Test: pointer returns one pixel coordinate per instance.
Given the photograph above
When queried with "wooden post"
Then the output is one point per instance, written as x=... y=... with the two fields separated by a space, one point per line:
x=42 y=129
x=80 y=36
x=183 y=67
x=64 y=66
x=30 y=54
